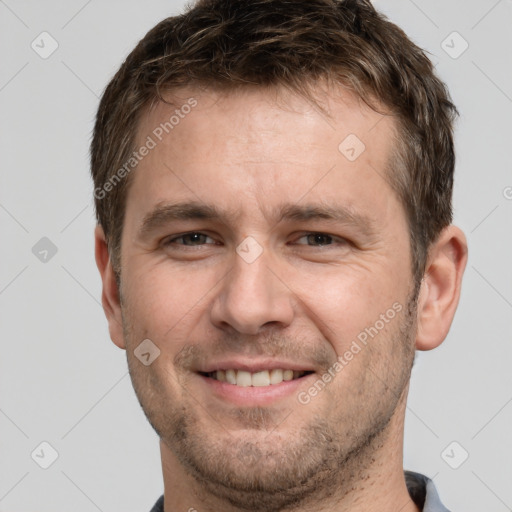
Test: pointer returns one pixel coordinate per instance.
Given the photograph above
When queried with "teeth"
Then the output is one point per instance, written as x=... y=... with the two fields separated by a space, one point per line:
x=243 y=379
x=276 y=376
x=288 y=375
x=231 y=376
x=263 y=378
x=260 y=378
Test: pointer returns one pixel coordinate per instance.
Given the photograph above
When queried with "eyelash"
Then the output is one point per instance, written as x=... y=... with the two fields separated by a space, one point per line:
x=306 y=234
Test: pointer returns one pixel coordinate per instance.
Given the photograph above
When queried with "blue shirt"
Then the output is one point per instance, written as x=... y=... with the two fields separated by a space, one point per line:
x=421 y=489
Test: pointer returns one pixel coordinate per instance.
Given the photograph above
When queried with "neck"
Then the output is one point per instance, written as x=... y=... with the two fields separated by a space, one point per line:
x=378 y=486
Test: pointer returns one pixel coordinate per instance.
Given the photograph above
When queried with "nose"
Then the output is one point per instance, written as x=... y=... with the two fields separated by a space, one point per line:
x=252 y=296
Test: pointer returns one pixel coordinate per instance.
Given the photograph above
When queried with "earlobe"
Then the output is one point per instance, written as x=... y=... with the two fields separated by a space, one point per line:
x=110 y=292
x=440 y=288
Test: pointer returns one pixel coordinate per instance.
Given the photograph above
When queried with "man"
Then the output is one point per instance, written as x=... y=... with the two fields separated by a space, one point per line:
x=273 y=187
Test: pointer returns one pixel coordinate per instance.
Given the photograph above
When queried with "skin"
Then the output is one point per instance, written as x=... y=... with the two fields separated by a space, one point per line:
x=304 y=300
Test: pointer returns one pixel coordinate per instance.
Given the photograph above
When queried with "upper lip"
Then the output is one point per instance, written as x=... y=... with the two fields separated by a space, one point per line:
x=255 y=365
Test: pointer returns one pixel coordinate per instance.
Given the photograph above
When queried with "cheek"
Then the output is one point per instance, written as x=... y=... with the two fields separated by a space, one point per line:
x=163 y=301
x=345 y=301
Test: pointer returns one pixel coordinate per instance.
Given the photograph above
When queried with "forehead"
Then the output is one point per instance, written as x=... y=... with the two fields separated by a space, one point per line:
x=255 y=145
x=256 y=114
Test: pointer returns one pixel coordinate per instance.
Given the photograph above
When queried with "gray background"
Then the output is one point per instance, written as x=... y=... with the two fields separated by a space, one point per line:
x=64 y=382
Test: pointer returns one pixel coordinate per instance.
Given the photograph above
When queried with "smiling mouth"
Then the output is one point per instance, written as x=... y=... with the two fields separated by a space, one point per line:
x=244 y=378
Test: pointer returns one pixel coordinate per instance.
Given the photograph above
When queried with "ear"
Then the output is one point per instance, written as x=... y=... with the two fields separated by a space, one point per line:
x=440 y=288
x=110 y=295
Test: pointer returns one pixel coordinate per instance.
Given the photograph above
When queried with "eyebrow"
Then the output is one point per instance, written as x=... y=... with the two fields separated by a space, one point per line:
x=165 y=213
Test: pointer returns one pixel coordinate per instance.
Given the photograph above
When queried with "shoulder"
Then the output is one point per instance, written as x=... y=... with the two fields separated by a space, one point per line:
x=159 y=505
x=423 y=492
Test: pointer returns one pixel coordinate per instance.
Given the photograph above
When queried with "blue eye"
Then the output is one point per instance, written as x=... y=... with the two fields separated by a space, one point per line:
x=189 y=239
x=197 y=239
x=319 y=239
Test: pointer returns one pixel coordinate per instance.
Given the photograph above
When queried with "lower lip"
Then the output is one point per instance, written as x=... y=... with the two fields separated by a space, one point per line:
x=251 y=396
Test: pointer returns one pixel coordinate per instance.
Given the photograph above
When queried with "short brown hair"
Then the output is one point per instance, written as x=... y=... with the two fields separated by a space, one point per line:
x=293 y=44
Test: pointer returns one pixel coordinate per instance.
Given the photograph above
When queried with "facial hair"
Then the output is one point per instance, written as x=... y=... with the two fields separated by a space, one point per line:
x=269 y=469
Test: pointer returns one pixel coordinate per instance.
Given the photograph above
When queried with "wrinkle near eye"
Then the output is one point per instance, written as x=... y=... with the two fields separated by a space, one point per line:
x=319 y=235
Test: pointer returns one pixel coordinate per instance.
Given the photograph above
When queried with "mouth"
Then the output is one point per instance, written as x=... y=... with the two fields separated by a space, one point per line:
x=262 y=378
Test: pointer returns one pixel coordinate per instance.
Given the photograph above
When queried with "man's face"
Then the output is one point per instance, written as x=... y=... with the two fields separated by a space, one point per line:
x=269 y=284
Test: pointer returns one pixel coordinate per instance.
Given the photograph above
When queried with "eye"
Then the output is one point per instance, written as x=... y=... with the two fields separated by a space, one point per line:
x=189 y=239
x=320 y=239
